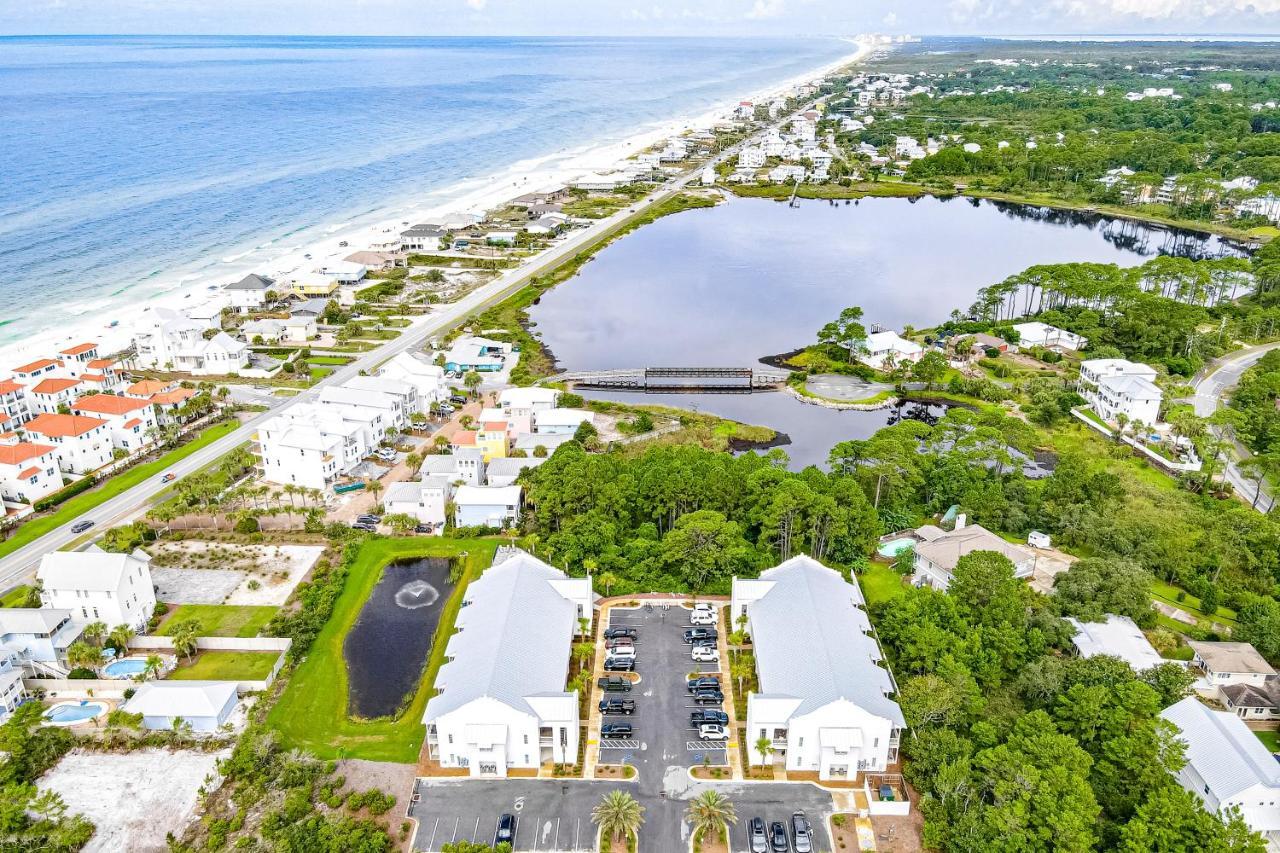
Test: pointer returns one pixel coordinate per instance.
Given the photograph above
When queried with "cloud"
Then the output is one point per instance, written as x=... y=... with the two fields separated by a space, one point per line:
x=478 y=5
x=763 y=9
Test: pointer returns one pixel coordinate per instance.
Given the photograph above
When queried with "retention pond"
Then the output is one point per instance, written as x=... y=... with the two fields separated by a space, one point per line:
x=387 y=648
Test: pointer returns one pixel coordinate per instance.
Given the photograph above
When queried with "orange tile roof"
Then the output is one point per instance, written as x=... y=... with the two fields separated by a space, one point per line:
x=495 y=426
x=109 y=404
x=147 y=387
x=29 y=472
x=15 y=454
x=53 y=386
x=100 y=363
x=92 y=377
x=132 y=423
x=35 y=365
x=58 y=426
x=177 y=395
x=79 y=349
x=464 y=438
x=4 y=419
x=8 y=386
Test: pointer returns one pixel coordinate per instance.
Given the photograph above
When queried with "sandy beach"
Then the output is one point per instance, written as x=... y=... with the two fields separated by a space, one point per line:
x=111 y=323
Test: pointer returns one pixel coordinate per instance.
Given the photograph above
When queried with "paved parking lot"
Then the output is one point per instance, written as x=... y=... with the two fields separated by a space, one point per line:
x=551 y=815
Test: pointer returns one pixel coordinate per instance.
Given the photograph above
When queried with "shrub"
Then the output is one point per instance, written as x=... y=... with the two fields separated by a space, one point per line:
x=63 y=494
x=82 y=672
x=247 y=524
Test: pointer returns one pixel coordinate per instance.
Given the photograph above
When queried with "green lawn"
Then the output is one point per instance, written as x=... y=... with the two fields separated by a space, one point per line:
x=329 y=359
x=226 y=666
x=15 y=597
x=312 y=711
x=880 y=583
x=1271 y=740
x=37 y=527
x=1168 y=593
x=218 y=620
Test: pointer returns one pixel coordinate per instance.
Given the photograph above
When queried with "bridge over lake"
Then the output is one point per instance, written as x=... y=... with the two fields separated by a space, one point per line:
x=672 y=380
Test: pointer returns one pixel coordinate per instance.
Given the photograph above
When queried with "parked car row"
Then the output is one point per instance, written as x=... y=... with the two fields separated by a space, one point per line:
x=774 y=837
x=620 y=649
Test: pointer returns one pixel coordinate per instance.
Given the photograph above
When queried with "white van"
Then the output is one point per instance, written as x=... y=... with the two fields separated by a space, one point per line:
x=703 y=617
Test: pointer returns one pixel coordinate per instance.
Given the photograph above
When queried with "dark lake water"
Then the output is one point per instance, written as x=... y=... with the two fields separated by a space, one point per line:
x=388 y=646
x=728 y=285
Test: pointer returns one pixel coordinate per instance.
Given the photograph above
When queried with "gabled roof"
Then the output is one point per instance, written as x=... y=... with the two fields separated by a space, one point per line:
x=811 y=641
x=91 y=570
x=53 y=386
x=1137 y=387
x=147 y=387
x=100 y=363
x=513 y=640
x=177 y=395
x=109 y=404
x=39 y=364
x=1252 y=695
x=946 y=550
x=30 y=620
x=487 y=496
x=8 y=386
x=524 y=397
x=79 y=349
x=407 y=491
x=186 y=699
x=60 y=426
x=252 y=281
x=16 y=454
x=1119 y=637
x=463 y=438
x=1220 y=748
x=511 y=466
x=1231 y=657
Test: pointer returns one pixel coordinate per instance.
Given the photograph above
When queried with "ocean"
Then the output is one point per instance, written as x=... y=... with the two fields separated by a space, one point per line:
x=133 y=166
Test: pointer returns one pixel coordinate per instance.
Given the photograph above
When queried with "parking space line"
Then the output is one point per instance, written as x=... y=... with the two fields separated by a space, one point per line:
x=431 y=845
x=577 y=825
x=620 y=744
x=705 y=746
x=557 y=847
x=535 y=833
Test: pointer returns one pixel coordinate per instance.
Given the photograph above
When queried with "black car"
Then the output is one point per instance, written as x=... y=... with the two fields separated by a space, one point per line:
x=693 y=634
x=620 y=665
x=801 y=834
x=81 y=526
x=778 y=840
x=756 y=835
x=615 y=730
x=614 y=684
x=612 y=707
x=708 y=697
x=617 y=633
x=698 y=718
x=704 y=644
x=706 y=682
x=458 y=400
x=365 y=526
x=506 y=833
x=422 y=528
x=369 y=519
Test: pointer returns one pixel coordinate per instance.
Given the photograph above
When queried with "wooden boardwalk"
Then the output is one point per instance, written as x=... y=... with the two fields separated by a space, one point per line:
x=707 y=380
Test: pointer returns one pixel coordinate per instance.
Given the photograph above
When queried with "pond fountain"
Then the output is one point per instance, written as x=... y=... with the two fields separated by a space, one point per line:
x=387 y=648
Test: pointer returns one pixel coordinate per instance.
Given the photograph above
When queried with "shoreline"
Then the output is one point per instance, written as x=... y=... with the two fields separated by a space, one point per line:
x=359 y=230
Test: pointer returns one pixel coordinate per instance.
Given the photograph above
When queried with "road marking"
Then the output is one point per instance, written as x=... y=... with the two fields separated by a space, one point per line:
x=577 y=825
x=454 y=837
x=704 y=745
x=557 y=847
x=431 y=845
x=620 y=744
x=475 y=833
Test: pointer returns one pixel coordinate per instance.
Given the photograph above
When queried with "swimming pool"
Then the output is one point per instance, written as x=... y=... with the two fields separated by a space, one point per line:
x=891 y=548
x=125 y=667
x=70 y=713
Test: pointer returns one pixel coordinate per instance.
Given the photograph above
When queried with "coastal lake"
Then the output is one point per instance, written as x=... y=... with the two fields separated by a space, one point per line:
x=726 y=286
x=387 y=648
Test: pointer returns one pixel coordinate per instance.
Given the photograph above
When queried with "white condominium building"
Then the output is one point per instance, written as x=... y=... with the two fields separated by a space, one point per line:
x=99 y=587
x=1115 y=386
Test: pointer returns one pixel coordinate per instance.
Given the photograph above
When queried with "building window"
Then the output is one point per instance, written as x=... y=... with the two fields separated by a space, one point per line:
x=526 y=740
x=450 y=738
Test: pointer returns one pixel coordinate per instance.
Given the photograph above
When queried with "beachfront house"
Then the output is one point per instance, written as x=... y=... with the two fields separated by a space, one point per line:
x=53 y=393
x=405 y=394
x=250 y=293
x=83 y=443
x=1116 y=387
x=823 y=702
x=1050 y=337
x=1227 y=766
x=12 y=691
x=486 y=506
x=479 y=354
x=887 y=350
x=37 y=638
x=1116 y=636
x=940 y=550
x=170 y=340
x=132 y=422
x=519 y=405
x=28 y=471
x=205 y=706
x=13 y=404
x=501 y=702
x=423 y=238
x=99 y=587
x=421 y=374
x=561 y=421
x=29 y=374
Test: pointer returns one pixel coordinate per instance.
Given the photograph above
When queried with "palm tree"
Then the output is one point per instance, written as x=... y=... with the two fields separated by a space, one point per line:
x=120 y=636
x=709 y=812
x=184 y=638
x=81 y=654
x=582 y=651
x=94 y=632
x=440 y=442
x=414 y=461
x=152 y=669
x=608 y=579
x=741 y=668
x=618 y=814
x=764 y=746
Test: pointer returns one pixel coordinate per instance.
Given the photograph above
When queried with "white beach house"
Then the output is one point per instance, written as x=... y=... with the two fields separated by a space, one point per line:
x=132 y=422
x=1227 y=766
x=1050 y=337
x=885 y=350
x=37 y=639
x=824 y=702
x=939 y=551
x=561 y=421
x=203 y=705
x=82 y=443
x=1116 y=386
x=1116 y=636
x=28 y=470
x=486 y=506
x=501 y=700
x=421 y=374
x=519 y=405
x=250 y=293
x=99 y=587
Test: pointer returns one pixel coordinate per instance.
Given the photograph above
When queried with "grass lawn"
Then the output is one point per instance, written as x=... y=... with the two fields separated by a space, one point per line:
x=880 y=583
x=312 y=711
x=1271 y=740
x=86 y=501
x=1168 y=593
x=15 y=597
x=218 y=620
x=226 y=666
x=329 y=359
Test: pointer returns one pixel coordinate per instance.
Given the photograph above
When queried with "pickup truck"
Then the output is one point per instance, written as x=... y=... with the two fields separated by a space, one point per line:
x=614 y=684
x=611 y=707
x=619 y=633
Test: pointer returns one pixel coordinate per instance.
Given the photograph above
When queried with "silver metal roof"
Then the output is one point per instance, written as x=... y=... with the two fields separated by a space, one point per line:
x=1220 y=747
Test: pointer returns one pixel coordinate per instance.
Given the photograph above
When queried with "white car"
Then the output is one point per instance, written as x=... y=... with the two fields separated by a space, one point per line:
x=703 y=617
x=622 y=652
x=712 y=731
x=705 y=654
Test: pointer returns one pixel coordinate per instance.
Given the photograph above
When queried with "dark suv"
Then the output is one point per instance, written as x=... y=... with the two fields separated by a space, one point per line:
x=620 y=665
x=706 y=682
x=708 y=697
x=801 y=834
x=692 y=635
x=506 y=833
x=778 y=837
x=615 y=730
x=610 y=707
x=616 y=633
x=697 y=718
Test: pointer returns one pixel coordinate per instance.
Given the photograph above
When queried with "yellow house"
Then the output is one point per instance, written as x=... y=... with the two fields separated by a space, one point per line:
x=313 y=285
x=491 y=438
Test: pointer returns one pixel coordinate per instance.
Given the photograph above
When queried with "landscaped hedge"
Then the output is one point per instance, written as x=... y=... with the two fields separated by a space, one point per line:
x=64 y=493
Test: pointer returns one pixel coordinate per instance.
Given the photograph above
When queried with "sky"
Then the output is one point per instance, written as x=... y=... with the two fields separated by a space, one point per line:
x=637 y=17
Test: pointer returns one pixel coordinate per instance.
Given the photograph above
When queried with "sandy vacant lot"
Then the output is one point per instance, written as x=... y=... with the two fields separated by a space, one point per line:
x=218 y=573
x=133 y=799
